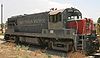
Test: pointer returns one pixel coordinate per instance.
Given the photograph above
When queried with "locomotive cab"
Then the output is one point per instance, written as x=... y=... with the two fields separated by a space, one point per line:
x=55 y=19
x=58 y=18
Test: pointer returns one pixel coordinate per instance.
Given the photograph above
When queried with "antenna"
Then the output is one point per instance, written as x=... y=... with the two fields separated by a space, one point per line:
x=2 y=18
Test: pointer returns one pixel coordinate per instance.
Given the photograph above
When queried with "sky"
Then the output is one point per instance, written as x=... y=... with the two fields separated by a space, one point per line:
x=89 y=8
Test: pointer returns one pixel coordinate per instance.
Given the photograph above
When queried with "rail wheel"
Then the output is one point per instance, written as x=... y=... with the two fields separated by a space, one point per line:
x=6 y=37
x=40 y=42
x=16 y=39
x=71 y=47
x=50 y=44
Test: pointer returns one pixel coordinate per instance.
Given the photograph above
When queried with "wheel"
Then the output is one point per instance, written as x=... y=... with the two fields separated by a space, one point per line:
x=16 y=40
x=40 y=42
x=6 y=37
x=71 y=46
x=50 y=44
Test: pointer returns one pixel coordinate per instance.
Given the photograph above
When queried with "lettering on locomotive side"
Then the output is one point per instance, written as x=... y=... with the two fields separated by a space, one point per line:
x=39 y=21
x=31 y=21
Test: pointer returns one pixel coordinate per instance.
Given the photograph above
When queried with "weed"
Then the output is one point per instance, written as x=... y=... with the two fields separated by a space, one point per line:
x=25 y=47
x=18 y=47
x=18 y=56
x=26 y=57
x=49 y=56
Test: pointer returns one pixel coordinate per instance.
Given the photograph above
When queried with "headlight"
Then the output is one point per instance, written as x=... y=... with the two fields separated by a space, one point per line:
x=98 y=35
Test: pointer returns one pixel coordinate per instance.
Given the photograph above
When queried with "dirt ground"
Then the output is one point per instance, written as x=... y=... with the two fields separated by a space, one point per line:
x=11 y=50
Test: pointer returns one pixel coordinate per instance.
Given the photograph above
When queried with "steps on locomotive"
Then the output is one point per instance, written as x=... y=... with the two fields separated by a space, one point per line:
x=79 y=44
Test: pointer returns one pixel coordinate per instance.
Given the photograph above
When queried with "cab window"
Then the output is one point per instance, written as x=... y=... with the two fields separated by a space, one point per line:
x=55 y=18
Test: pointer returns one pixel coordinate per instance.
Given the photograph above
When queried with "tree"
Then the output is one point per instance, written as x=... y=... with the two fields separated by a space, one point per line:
x=98 y=20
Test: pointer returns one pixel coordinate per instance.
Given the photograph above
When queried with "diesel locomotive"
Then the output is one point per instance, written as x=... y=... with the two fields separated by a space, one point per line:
x=62 y=29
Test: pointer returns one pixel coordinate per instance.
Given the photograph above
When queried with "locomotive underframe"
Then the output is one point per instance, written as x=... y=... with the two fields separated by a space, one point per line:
x=63 y=42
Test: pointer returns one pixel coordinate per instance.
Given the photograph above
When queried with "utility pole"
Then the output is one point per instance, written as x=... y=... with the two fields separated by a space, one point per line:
x=2 y=18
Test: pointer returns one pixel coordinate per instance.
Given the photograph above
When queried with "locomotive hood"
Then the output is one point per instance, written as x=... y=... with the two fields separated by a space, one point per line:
x=67 y=12
x=54 y=12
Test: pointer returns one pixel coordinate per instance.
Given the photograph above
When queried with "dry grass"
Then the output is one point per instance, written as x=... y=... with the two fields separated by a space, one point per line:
x=76 y=55
x=9 y=50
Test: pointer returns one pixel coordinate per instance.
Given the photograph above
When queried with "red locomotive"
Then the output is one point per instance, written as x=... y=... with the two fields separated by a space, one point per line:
x=82 y=26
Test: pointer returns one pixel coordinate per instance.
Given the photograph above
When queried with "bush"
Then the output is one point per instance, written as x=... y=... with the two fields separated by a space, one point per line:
x=98 y=21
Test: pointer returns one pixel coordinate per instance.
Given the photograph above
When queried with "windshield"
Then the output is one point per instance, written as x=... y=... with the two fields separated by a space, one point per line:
x=74 y=17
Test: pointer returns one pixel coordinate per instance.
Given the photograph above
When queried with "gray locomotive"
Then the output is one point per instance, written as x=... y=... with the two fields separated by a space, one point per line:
x=47 y=29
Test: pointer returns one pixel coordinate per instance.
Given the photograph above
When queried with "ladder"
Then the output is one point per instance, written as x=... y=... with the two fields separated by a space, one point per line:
x=79 y=43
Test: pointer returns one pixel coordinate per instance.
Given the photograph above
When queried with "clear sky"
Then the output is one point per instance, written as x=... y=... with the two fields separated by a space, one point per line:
x=89 y=8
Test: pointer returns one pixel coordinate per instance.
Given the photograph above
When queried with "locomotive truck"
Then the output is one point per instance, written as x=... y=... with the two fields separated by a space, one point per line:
x=62 y=29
